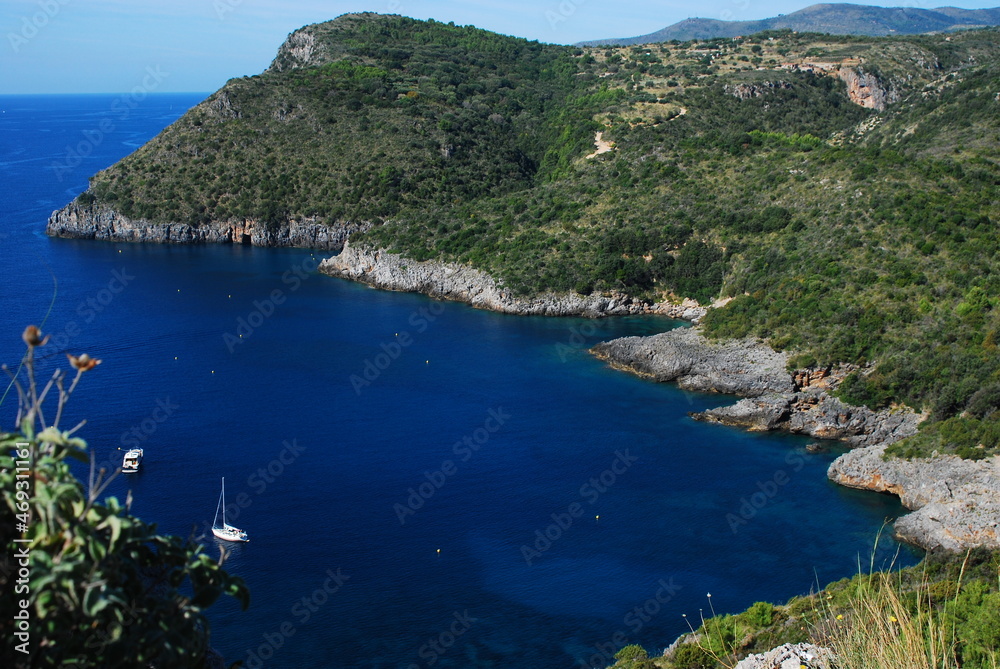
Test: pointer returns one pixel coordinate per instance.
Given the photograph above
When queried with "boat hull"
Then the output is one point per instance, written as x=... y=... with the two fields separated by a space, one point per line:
x=230 y=534
x=224 y=530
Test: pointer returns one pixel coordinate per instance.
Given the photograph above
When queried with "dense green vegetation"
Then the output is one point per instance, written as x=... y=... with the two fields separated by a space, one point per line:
x=741 y=168
x=941 y=614
x=407 y=115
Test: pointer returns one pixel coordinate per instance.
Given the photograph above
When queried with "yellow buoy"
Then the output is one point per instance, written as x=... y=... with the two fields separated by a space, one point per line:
x=439 y=550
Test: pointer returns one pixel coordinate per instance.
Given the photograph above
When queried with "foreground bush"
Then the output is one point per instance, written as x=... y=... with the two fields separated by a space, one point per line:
x=941 y=614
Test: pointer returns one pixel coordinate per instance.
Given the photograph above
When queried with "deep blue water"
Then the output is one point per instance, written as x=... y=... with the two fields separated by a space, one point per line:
x=323 y=471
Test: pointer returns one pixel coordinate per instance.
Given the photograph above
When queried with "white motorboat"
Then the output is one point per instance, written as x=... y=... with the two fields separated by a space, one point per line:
x=132 y=461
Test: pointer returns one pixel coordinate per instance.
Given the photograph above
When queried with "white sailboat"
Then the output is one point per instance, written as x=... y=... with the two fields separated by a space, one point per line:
x=225 y=530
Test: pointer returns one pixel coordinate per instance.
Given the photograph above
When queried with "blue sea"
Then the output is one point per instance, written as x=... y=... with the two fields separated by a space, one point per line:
x=424 y=484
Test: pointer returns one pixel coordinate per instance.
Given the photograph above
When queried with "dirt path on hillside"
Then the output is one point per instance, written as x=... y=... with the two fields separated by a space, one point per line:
x=602 y=146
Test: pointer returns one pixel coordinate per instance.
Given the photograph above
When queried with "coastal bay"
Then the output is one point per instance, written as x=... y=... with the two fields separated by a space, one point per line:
x=328 y=503
x=824 y=225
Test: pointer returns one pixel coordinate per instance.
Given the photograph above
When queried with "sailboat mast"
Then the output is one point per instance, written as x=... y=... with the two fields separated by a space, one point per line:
x=222 y=497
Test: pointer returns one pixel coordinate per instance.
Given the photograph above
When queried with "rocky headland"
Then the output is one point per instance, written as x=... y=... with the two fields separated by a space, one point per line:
x=461 y=283
x=955 y=502
x=746 y=368
x=816 y=413
x=79 y=221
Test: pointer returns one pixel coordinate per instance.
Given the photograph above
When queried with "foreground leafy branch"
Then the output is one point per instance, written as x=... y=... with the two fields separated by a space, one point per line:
x=93 y=586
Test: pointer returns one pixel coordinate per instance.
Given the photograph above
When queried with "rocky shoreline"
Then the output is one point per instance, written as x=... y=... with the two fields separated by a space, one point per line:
x=744 y=368
x=816 y=413
x=78 y=221
x=955 y=503
x=376 y=268
x=460 y=283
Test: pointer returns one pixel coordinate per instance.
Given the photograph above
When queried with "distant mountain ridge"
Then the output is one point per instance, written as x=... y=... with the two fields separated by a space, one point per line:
x=835 y=19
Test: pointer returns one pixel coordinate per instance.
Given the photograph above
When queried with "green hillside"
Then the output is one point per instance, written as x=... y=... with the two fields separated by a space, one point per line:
x=740 y=168
x=397 y=114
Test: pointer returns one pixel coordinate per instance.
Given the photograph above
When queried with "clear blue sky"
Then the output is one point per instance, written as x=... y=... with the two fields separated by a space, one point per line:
x=111 y=46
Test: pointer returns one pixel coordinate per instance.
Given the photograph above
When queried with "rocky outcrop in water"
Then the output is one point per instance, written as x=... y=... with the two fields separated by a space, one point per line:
x=955 y=502
x=451 y=281
x=817 y=414
x=78 y=221
x=747 y=368
x=774 y=398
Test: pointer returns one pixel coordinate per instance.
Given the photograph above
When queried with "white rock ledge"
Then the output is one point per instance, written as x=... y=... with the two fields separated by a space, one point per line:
x=451 y=281
x=76 y=221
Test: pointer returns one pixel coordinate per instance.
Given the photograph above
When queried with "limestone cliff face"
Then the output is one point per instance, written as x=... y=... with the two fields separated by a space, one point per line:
x=319 y=43
x=956 y=502
x=866 y=90
x=451 y=281
x=301 y=49
x=97 y=222
x=863 y=88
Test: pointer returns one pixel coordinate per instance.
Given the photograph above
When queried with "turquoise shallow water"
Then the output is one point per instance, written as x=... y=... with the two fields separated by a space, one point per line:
x=421 y=481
